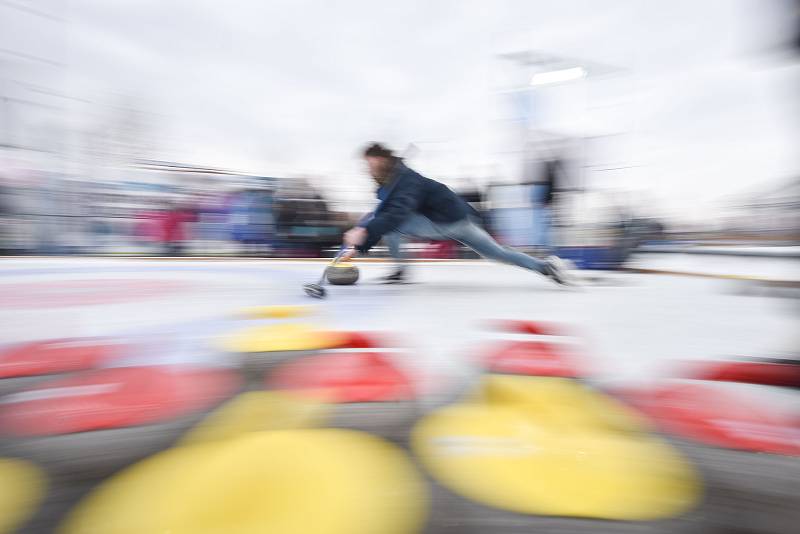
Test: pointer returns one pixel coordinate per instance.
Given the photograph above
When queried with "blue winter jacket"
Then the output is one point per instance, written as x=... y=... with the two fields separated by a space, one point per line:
x=407 y=193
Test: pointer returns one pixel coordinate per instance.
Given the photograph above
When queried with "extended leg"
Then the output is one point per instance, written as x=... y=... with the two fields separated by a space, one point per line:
x=476 y=238
x=415 y=226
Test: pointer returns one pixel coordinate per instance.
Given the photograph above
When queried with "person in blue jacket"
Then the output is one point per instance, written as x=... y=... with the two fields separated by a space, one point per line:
x=414 y=206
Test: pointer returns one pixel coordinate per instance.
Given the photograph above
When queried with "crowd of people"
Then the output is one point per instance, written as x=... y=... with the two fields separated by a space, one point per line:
x=51 y=214
x=63 y=216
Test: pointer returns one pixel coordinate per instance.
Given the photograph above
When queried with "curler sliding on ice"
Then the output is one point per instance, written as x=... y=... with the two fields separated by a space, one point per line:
x=414 y=206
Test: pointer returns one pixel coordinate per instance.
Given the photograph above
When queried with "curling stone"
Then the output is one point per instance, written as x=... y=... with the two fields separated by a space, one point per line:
x=260 y=348
x=283 y=311
x=21 y=492
x=342 y=274
x=744 y=442
x=368 y=390
x=314 y=481
x=92 y=423
x=534 y=348
x=256 y=411
x=530 y=454
x=766 y=371
x=23 y=365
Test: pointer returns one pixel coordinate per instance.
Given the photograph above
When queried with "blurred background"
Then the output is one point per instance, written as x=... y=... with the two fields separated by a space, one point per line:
x=653 y=143
x=199 y=128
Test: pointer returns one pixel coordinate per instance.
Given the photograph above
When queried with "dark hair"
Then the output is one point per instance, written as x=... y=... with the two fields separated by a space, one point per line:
x=378 y=150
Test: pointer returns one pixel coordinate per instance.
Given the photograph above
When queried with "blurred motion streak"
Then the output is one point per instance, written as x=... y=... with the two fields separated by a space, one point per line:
x=167 y=168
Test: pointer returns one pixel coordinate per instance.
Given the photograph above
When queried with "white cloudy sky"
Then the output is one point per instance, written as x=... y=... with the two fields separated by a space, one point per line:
x=702 y=103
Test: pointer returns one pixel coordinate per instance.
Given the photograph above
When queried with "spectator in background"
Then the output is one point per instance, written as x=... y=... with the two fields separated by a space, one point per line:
x=173 y=228
x=305 y=223
x=5 y=218
x=543 y=193
x=473 y=196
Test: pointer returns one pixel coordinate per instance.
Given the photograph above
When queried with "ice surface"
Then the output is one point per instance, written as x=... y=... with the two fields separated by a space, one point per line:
x=631 y=323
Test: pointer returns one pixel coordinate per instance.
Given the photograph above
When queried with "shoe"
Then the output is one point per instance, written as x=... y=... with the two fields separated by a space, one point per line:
x=556 y=270
x=398 y=277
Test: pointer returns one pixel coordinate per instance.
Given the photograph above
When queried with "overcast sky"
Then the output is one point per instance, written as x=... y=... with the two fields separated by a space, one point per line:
x=701 y=103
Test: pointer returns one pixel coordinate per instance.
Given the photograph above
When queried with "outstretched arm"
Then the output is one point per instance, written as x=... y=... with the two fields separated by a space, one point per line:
x=394 y=210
